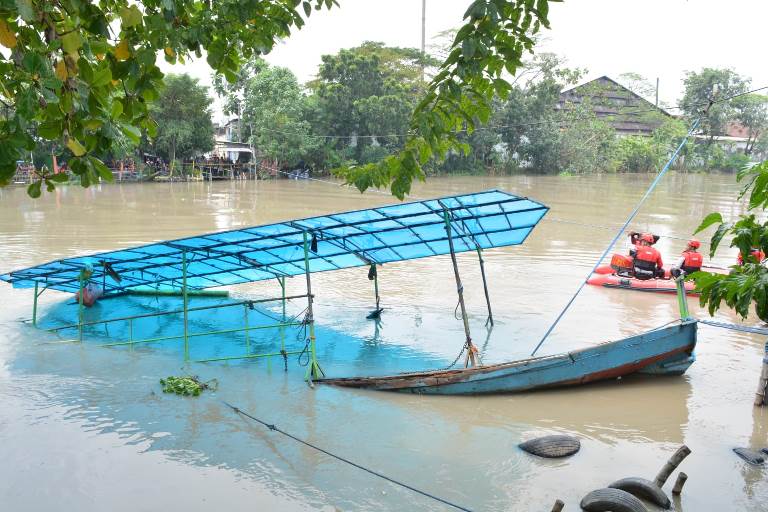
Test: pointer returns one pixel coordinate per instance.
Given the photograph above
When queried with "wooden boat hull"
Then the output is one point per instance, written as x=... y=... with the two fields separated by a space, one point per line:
x=664 y=351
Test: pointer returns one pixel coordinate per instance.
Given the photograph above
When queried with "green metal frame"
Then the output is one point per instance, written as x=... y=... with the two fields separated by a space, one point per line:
x=186 y=335
x=313 y=367
x=34 y=304
x=682 y=300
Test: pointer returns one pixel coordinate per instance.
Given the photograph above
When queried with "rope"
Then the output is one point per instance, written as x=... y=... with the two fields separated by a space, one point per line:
x=632 y=215
x=274 y=428
x=735 y=327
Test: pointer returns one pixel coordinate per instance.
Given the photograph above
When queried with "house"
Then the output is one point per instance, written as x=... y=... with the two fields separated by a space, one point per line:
x=224 y=145
x=627 y=112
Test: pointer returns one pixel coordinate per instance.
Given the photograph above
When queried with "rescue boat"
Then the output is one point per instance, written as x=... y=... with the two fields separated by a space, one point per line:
x=644 y=285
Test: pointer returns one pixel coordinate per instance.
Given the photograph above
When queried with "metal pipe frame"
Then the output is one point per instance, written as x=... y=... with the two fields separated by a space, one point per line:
x=203 y=333
x=174 y=312
x=313 y=367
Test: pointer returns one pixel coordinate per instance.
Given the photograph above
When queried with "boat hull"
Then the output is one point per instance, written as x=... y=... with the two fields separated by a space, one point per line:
x=640 y=285
x=665 y=351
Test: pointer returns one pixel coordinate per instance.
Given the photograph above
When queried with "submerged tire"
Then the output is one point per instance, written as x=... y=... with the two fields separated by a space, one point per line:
x=643 y=488
x=751 y=456
x=552 y=447
x=611 y=500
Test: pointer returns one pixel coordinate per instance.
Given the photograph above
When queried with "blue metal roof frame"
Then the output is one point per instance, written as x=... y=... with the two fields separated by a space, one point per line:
x=381 y=235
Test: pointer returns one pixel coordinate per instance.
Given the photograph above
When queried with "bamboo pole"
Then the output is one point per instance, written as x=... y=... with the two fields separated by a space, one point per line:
x=471 y=349
x=679 y=483
x=485 y=286
x=671 y=465
x=762 y=386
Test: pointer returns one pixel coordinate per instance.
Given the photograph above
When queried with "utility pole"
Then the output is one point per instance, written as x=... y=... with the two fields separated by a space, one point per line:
x=423 y=36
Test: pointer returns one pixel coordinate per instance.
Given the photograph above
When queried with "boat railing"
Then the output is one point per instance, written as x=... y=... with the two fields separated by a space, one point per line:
x=247 y=306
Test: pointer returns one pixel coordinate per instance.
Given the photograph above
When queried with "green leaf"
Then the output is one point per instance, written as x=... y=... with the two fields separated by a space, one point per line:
x=75 y=147
x=71 y=42
x=131 y=132
x=307 y=8
x=61 y=177
x=27 y=13
x=101 y=169
x=34 y=189
x=712 y=218
x=722 y=230
x=131 y=16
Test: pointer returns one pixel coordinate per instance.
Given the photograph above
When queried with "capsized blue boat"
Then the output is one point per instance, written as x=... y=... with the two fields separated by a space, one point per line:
x=663 y=351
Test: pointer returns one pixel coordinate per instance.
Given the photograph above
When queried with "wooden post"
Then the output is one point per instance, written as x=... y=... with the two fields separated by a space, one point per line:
x=485 y=286
x=558 y=506
x=763 y=384
x=471 y=349
x=671 y=465
x=679 y=483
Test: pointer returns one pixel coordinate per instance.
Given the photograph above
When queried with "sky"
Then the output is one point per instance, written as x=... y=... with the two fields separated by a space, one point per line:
x=655 y=38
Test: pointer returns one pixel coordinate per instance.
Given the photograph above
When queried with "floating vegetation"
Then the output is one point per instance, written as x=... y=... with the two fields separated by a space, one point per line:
x=187 y=385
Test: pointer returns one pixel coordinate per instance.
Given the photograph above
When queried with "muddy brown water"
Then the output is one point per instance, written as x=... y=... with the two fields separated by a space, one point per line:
x=87 y=428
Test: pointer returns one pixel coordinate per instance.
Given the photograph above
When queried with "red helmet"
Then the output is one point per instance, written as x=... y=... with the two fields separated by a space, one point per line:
x=694 y=243
x=647 y=237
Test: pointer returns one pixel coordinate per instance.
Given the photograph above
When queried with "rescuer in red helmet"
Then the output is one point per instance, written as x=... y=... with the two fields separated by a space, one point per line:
x=647 y=263
x=691 y=259
x=756 y=253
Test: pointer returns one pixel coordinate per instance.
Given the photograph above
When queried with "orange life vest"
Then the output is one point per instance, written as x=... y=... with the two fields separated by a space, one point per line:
x=647 y=262
x=693 y=262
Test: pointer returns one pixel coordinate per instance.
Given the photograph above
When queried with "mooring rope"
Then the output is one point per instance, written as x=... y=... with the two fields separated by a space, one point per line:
x=275 y=428
x=621 y=231
x=735 y=327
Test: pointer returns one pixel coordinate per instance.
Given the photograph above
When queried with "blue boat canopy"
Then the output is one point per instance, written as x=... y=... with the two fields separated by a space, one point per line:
x=373 y=236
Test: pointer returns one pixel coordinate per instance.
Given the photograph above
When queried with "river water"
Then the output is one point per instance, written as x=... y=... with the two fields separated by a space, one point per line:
x=87 y=428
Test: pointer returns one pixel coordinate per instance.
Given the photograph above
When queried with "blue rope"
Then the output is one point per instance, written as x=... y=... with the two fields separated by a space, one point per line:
x=632 y=215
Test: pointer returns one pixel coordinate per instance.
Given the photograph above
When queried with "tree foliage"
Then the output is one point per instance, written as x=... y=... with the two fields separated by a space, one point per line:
x=274 y=112
x=700 y=88
x=183 y=116
x=84 y=72
x=493 y=40
x=751 y=110
x=748 y=283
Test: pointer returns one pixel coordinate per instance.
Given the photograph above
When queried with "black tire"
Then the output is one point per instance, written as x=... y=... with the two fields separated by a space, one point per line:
x=552 y=447
x=643 y=488
x=611 y=500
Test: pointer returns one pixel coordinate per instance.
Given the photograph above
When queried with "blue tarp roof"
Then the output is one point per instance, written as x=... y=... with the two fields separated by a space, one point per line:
x=376 y=235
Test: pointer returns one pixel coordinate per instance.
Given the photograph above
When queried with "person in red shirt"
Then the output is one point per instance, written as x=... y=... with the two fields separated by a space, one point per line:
x=647 y=263
x=691 y=259
x=756 y=253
